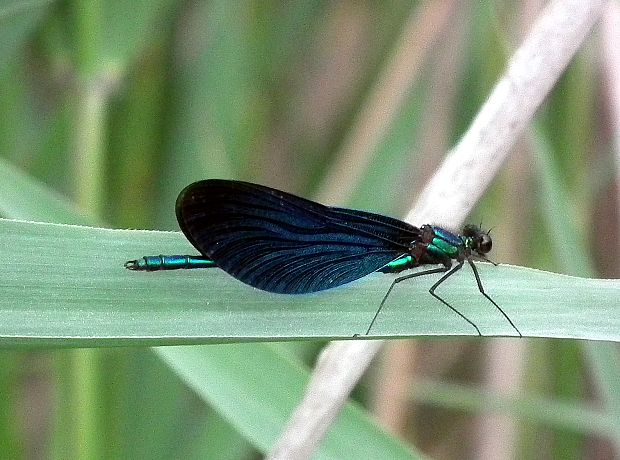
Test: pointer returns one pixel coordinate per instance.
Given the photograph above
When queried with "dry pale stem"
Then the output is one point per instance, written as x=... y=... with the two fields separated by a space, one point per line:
x=451 y=194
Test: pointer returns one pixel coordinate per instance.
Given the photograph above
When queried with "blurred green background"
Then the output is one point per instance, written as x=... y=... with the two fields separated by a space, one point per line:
x=117 y=105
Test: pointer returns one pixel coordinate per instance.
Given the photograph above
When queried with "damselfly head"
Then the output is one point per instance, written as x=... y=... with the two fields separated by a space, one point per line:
x=480 y=240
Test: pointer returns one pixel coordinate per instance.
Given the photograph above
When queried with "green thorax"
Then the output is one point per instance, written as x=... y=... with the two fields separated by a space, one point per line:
x=446 y=244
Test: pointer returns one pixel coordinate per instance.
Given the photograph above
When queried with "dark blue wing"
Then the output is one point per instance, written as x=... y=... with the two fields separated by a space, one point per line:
x=282 y=243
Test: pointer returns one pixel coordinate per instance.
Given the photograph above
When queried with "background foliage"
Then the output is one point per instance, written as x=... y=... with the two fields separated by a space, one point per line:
x=110 y=108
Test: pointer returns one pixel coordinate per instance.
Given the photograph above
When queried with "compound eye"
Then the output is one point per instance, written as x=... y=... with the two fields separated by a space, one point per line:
x=485 y=244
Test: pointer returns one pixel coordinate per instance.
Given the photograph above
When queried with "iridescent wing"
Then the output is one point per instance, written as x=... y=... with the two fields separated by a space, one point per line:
x=279 y=242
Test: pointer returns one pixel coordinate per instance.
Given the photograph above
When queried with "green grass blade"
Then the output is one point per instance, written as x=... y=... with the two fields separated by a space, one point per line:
x=26 y=198
x=86 y=267
x=66 y=286
x=280 y=382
